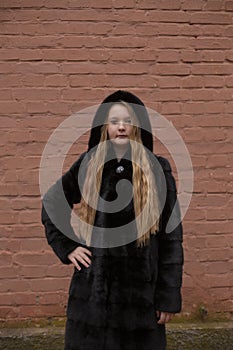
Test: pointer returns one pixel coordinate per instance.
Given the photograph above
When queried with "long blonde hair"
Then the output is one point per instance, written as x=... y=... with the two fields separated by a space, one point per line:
x=145 y=198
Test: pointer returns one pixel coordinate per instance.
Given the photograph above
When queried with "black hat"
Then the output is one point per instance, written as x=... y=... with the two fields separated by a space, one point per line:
x=139 y=109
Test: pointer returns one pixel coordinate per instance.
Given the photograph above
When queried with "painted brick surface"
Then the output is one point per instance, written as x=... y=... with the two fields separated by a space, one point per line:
x=58 y=57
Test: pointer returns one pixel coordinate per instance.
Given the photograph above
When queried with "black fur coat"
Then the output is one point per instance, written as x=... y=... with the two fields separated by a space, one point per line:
x=112 y=303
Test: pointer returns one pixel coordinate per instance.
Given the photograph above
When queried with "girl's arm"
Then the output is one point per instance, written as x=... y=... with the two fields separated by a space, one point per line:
x=168 y=289
x=57 y=205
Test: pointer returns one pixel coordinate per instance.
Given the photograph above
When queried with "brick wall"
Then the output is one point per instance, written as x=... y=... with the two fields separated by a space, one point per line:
x=58 y=57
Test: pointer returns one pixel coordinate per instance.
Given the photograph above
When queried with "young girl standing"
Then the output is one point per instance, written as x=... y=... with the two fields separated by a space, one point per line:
x=127 y=268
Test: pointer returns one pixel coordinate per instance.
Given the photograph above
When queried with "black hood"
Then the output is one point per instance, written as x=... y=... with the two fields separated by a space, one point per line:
x=139 y=109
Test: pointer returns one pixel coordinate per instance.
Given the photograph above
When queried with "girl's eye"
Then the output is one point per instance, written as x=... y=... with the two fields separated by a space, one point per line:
x=115 y=122
x=128 y=121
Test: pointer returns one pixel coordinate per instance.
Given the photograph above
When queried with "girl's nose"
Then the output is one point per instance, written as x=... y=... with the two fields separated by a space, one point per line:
x=121 y=126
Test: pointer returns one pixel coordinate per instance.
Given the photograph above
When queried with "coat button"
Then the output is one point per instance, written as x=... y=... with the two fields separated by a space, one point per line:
x=120 y=169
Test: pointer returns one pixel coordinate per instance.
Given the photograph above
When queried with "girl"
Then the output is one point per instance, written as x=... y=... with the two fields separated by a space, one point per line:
x=127 y=268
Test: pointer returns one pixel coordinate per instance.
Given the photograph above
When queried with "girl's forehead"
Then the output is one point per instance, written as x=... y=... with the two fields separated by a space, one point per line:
x=118 y=111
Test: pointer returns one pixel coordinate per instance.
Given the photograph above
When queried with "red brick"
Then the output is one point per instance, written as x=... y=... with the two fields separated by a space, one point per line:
x=25 y=298
x=82 y=67
x=221 y=293
x=218 y=280
x=56 y=80
x=5 y=94
x=104 y=54
x=210 y=200
x=194 y=268
x=42 y=67
x=123 y=42
x=124 y=4
x=170 y=69
x=32 y=271
x=8 y=313
x=74 y=94
x=9 y=271
x=214 y=254
x=59 y=107
x=192 y=5
x=29 y=258
x=192 y=82
x=229 y=56
x=229 y=5
x=7 y=299
x=217 y=161
x=168 y=16
x=9 y=54
x=191 y=56
x=169 y=5
x=171 y=108
x=213 y=30
x=10 y=80
x=36 y=94
x=65 y=55
x=36 y=107
x=211 y=214
x=7 y=67
x=195 y=214
x=214 y=5
x=172 y=29
x=168 y=56
x=30 y=311
x=229 y=107
x=212 y=44
x=215 y=187
x=211 y=95
x=50 y=284
x=36 y=150
x=13 y=4
x=197 y=108
x=8 y=218
x=10 y=245
x=228 y=31
x=8 y=15
x=223 y=69
x=63 y=4
x=59 y=271
x=80 y=41
x=199 y=161
x=168 y=82
x=15 y=285
x=33 y=245
x=213 y=81
x=25 y=232
x=122 y=68
x=26 y=41
x=171 y=43
x=206 y=18
x=213 y=56
x=52 y=299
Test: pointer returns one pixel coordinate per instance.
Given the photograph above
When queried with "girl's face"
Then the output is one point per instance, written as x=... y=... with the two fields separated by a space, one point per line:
x=119 y=125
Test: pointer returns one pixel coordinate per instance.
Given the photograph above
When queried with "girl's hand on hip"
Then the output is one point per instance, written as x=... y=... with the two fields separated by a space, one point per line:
x=164 y=317
x=80 y=254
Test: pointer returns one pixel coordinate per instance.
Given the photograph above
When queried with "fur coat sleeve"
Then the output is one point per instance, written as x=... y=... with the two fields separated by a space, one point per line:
x=56 y=213
x=170 y=251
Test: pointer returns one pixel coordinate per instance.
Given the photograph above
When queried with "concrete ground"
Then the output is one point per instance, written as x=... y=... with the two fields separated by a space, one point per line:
x=195 y=336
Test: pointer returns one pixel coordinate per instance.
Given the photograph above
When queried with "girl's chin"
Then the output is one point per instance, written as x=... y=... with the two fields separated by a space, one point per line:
x=120 y=141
